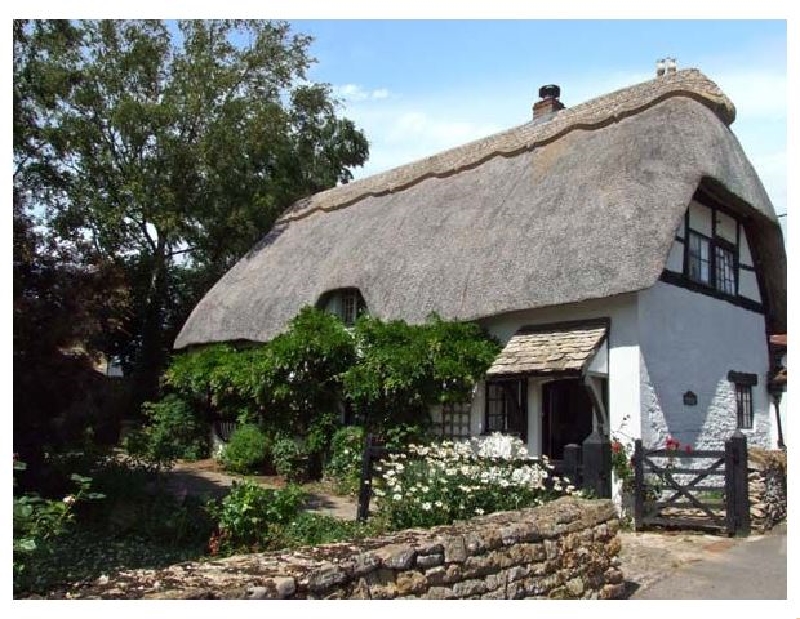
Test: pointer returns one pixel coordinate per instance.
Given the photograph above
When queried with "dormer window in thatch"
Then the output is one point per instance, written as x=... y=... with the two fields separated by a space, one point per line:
x=714 y=236
x=346 y=303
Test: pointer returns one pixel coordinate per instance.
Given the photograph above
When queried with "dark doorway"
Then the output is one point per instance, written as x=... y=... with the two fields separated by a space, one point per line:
x=566 y=416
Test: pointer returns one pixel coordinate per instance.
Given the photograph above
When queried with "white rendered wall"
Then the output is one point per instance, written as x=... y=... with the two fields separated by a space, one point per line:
x=748 y=284
x=623 y=360
x=690 y=341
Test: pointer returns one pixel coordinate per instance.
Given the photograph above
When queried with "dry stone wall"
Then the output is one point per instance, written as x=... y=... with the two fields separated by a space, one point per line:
x=766 y=481
x=565 y=549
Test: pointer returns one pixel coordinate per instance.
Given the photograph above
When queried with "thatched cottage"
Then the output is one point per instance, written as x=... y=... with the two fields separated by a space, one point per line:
x=623 y=250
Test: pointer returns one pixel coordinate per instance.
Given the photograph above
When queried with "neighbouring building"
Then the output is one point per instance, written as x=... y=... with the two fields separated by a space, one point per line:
x=623 y=250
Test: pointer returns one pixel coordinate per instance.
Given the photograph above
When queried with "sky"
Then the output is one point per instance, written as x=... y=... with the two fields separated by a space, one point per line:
x=417 y=87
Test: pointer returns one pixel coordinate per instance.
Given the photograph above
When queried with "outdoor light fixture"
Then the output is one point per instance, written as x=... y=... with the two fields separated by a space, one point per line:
x=690 y=398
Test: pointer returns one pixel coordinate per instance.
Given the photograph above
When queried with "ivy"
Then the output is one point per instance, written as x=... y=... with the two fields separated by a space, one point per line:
x=404 y=369
x=390 y=372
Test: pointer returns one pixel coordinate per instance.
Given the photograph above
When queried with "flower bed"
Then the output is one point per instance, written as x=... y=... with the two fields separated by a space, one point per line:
x=440 y=483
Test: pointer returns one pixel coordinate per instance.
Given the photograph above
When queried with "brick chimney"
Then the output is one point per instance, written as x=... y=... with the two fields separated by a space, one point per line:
x=548 y=103
x=665 y=66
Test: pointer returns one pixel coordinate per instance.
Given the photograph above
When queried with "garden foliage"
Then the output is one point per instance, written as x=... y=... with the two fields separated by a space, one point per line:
x=344 y=465
x=439 y=483
x=247 y=450
x=390 y=373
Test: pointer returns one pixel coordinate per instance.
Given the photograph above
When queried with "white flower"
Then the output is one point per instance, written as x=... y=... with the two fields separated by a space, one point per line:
x=397 y=497
x=391 y=481
x=439 y=504
x=425 y=488
x=69 y=499
x=504 y=483
x=426 y=506
x=479 y=511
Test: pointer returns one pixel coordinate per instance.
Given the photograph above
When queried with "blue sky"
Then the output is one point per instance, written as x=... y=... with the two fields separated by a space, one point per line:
x=418 y=87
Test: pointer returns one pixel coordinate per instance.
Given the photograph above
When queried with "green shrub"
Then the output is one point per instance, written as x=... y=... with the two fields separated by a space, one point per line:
x=252 y=516
x=344 y=465
x=309 y=529
x=246 y=450
x=173 y=432
x=291 y=458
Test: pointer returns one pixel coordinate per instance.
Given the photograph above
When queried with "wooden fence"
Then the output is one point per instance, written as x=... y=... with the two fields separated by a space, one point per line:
x=707 y=495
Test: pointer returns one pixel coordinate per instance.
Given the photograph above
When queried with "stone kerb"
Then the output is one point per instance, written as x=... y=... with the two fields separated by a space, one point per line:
x=566 y=549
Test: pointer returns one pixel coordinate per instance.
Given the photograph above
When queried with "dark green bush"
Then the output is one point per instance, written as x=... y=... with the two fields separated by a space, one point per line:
x=247 y=449
x=173 y=432
x=344 y=465
x=290 y=457
x=252 y=516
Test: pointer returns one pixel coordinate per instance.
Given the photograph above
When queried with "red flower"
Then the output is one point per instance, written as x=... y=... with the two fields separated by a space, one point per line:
x=688 y=449
x=616 y=447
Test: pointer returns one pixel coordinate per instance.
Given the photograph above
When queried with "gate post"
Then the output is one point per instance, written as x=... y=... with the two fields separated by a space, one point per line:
x=739 y=483
x=597 y=465
x=638 y=470
x=572 y=455
x=365 y=485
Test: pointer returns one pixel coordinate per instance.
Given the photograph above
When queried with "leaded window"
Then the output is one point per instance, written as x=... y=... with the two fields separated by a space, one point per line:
x=744 y=407
x=725 y=280
x=743 y=394
x=699 y=258
x=454 y=421
x=506 y=408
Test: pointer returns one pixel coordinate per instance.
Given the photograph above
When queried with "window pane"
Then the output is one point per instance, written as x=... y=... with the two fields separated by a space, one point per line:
x=455 y=421
x=349 y=308
x=495 y=412
x=698 y=258
x=744 y=406
x=725 y=281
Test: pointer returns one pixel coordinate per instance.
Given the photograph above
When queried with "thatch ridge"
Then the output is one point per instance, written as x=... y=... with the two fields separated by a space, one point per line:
x=588 y=215
x=593 y=114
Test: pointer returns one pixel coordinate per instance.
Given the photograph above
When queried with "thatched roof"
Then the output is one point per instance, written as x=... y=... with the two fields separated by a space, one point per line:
x=583 y=206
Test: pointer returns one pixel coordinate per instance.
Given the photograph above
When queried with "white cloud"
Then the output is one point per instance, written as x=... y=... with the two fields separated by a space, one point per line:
x=354 y=93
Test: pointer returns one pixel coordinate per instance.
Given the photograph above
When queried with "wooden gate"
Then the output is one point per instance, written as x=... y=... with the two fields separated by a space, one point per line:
x=706 y=490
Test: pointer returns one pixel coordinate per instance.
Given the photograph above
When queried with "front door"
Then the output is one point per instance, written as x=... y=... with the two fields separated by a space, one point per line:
x=566 y=416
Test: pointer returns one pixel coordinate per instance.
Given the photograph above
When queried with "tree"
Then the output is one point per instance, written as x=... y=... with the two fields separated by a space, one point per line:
x=170 y=149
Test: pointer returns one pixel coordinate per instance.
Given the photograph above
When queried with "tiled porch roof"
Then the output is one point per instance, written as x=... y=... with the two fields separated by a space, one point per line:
x=550 y=349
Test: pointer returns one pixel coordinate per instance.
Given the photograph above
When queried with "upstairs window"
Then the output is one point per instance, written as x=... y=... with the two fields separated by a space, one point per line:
x=347 y=304
x=711 y=258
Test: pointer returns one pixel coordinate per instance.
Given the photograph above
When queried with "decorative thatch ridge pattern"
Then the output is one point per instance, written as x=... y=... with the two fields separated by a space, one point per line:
x=592 y=114
x=584 y=206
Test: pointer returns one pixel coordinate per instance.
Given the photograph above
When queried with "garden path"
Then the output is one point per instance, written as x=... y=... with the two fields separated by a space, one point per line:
x=205 y=477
